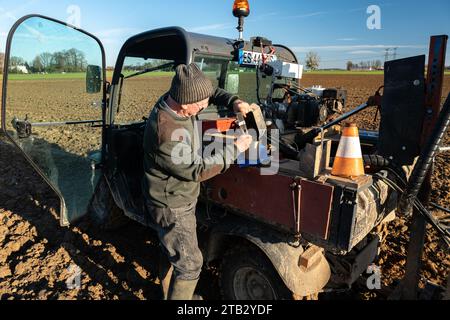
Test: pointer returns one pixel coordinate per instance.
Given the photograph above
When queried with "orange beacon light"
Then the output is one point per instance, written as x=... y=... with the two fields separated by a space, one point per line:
x=241 y=10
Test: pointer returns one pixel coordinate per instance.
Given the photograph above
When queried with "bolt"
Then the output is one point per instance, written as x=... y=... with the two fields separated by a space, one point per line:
x=404 y=148
x=417 y=83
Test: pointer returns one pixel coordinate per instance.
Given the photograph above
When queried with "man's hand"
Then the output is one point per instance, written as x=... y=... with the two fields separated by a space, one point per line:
x=243 y=107
x=243 y=142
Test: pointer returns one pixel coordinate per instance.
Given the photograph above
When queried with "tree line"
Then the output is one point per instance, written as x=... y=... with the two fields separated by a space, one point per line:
x=72 y=60
x=151 y=63
x=365 y=65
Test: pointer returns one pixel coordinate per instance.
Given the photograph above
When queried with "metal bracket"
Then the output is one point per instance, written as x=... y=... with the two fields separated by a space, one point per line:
x=23 y=127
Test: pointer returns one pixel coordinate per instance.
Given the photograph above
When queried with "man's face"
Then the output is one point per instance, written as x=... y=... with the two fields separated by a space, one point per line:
x=193 y=109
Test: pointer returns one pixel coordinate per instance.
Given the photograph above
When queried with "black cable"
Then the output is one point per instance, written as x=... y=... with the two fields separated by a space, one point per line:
x=258 y=84
x=417 y=204
x=420 y=208
x=299 y=88
x=439 y=207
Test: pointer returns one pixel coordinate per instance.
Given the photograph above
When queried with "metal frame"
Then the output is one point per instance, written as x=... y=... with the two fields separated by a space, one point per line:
x=4 y=95
x=147 y=36
x=432 y=105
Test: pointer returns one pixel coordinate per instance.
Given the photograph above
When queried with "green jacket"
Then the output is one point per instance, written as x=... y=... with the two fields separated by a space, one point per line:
x=171 y=180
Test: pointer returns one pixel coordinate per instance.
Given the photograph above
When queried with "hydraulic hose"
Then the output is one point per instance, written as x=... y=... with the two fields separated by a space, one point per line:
x=425 y=161
x=377 y=163
x=441 y=229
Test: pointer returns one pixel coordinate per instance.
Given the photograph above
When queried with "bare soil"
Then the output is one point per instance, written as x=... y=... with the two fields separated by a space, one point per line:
x=38 y=257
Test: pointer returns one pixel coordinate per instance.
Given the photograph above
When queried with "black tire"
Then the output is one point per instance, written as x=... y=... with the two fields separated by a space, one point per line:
x=247 y=274
x=104 y=212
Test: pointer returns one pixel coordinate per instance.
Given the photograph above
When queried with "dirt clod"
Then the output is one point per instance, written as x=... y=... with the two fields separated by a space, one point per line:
x=5 y=272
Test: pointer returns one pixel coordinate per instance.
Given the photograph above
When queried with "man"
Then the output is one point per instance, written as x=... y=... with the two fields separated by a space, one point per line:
x=172 y=182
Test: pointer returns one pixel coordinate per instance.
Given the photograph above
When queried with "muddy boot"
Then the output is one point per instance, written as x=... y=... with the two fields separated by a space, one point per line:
x=182 y=289
x=165 y=275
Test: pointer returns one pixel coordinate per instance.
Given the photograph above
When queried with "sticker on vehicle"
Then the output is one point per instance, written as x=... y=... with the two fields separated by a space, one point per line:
x=250 y=58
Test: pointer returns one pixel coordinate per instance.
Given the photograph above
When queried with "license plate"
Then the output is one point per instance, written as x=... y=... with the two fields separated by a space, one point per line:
x=250 y=58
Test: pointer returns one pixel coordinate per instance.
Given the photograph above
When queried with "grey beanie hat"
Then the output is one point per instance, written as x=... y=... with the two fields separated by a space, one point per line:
x=190 y=85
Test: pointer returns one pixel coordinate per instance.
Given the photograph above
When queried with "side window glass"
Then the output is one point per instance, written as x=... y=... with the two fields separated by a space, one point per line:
x=141 y=92
x=53 y=109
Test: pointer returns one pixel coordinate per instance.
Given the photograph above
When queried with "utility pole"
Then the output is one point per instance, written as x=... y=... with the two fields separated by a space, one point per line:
x=395 y=53
x=386 y=57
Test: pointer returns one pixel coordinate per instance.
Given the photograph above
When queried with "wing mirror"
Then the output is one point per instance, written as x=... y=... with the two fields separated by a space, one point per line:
x=93 y=79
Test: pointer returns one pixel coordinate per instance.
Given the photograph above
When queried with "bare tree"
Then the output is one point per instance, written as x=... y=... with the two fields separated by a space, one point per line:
x=349 y=65
x=16 y=61
x=59 y=62
x=378 y=64
x=312 y=60
x=46 y=60
x=75 y=59
x=37 y=64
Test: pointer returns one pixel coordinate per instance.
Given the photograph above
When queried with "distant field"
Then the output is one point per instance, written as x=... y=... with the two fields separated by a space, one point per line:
x=343 y=72
x=350 y=73
x=69 y=76
x=53 y=76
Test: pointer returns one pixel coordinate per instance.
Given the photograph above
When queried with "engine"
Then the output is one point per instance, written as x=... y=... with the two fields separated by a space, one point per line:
x=313 y=107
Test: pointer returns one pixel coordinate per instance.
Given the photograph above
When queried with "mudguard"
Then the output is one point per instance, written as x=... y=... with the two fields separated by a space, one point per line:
x=285 y=257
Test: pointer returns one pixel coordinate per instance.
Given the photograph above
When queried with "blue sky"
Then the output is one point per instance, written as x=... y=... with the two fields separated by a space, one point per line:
x=36 y=36
x=337 y=30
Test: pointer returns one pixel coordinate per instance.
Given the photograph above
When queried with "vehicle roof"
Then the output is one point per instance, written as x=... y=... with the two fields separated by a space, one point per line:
x=176 y=44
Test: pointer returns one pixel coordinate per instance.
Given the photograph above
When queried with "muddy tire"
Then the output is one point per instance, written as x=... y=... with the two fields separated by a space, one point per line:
x=247 y=274
x=104 y=212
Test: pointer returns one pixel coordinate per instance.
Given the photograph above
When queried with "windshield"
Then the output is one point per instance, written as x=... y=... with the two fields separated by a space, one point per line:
x=141 y=92
x=232 y=77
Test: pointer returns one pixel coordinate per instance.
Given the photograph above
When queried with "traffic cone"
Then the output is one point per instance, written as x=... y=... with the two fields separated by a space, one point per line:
x=349 y=161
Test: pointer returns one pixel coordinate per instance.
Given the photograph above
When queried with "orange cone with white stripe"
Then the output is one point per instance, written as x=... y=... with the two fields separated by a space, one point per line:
x=349 y=161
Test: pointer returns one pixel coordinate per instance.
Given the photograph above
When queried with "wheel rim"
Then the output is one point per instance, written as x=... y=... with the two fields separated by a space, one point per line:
x=251 y=284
